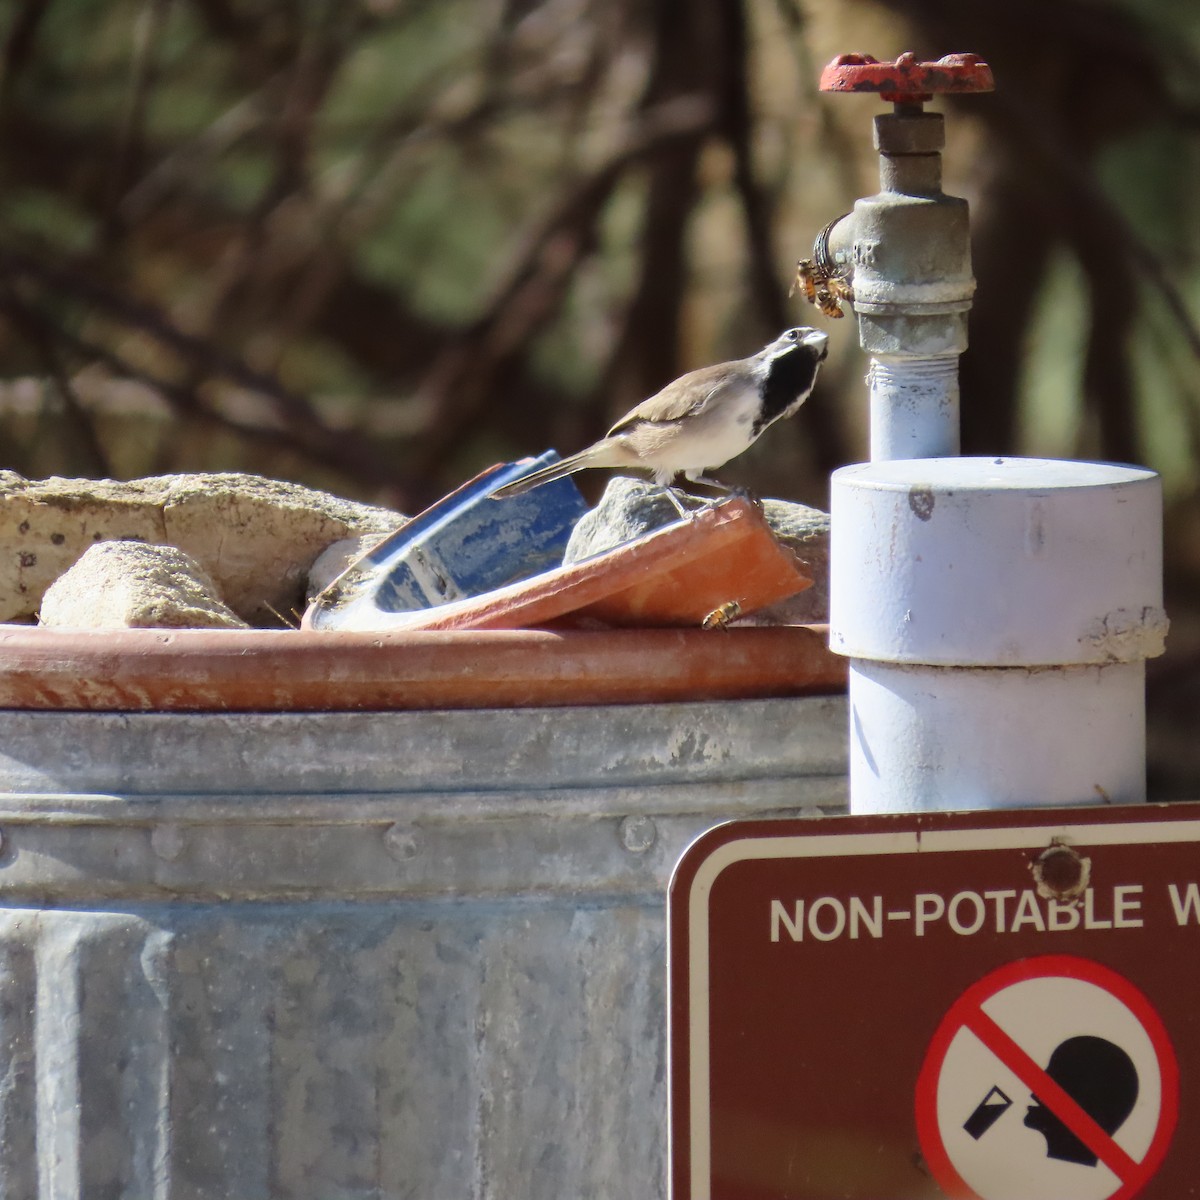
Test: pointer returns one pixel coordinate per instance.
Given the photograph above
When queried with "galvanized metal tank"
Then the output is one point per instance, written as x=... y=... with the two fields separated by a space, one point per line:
x=359 y=954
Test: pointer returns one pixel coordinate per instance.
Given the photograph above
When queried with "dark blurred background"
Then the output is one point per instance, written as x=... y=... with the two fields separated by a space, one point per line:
x=377 y=245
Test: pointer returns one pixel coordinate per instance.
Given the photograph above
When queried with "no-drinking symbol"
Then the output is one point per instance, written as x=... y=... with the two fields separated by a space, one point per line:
x=1051 y=1078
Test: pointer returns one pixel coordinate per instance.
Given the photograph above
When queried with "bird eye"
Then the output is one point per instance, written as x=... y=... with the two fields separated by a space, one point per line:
x=794 y=334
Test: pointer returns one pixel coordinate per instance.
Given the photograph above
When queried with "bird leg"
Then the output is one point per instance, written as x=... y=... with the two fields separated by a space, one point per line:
x=680 y=507
x=737 y=490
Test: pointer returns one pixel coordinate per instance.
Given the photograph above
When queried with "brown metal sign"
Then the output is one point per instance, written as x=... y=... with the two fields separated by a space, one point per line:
x=985 y=1006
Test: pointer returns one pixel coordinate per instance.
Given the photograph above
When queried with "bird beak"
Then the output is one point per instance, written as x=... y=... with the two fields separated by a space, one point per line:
x=819 y=342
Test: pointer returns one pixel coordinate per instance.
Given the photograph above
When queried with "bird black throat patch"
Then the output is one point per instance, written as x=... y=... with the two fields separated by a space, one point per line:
x=788 y=382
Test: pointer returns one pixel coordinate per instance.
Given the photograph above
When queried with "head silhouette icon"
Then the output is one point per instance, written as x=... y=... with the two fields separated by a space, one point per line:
x=1101 y=1079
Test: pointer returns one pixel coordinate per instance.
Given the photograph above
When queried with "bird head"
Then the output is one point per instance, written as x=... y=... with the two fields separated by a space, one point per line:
x=811 y=339
x=787 y=370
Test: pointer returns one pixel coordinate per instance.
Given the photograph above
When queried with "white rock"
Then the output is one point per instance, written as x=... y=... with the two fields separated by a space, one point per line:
x=805 y=532
x=630 y=508
x=129 y=585
x=256 y=537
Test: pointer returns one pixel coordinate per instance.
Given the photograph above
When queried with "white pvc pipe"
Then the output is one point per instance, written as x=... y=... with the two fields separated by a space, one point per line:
x=934 y=738
x=914 y=407
x=998 y=614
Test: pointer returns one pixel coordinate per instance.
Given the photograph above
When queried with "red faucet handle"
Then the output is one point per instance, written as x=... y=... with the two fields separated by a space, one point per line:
x=907 y=81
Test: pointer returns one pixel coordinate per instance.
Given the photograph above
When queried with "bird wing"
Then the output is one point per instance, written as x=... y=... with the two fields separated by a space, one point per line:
x=686 y=397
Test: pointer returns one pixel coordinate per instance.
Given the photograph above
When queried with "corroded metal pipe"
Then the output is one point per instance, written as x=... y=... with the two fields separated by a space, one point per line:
x=906 y=254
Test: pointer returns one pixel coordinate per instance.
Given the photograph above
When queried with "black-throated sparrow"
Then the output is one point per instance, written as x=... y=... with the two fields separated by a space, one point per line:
x=702 y=419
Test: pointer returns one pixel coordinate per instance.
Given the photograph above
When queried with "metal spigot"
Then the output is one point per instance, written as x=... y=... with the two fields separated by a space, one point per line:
x=902 y=257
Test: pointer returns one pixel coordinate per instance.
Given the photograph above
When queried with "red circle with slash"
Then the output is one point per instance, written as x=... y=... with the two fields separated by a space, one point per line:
x=973 y=1031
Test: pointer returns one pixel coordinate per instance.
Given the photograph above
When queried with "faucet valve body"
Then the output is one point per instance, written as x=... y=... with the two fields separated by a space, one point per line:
x=906 y=254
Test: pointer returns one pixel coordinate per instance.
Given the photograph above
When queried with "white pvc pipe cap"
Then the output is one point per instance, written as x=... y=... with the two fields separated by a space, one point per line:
x=996 y=562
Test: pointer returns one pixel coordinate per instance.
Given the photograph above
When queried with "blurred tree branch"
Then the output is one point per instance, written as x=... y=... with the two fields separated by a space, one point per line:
x=205 y=361
x=461 y=380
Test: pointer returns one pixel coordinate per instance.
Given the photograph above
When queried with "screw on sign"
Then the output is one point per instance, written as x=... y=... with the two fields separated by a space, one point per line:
x=1092 y=1058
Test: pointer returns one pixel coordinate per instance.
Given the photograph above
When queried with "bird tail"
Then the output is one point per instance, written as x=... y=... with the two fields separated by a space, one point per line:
x=558 y=470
